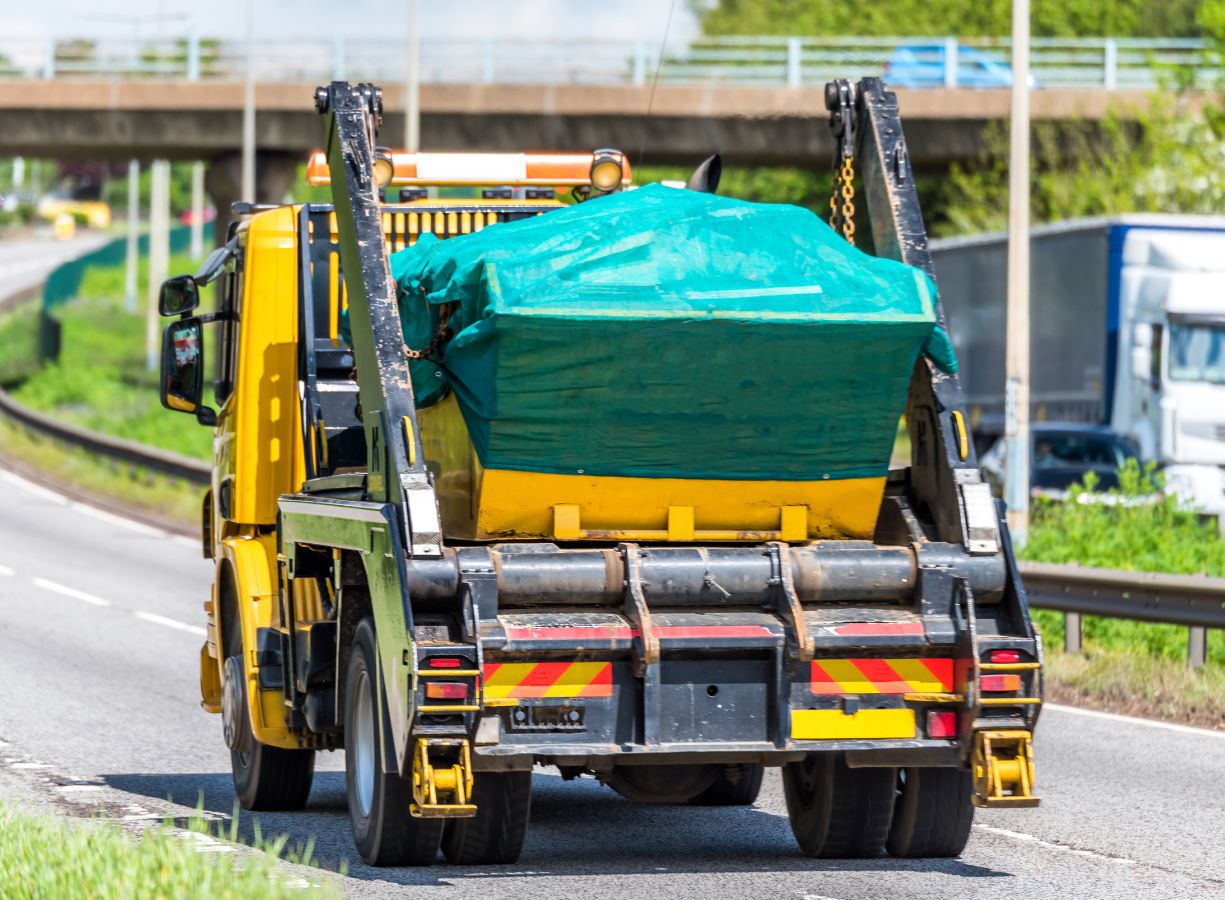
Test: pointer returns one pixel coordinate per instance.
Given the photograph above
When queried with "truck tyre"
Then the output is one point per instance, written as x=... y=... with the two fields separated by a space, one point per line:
x=666 y=783
x=838 y=812
x=265 y=778
x=385 y=833
x=934 y=812
x=735 y=786
x=495 y=834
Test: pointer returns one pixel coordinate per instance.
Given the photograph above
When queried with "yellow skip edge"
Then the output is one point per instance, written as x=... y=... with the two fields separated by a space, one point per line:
x=567 y=507
x=835 y=725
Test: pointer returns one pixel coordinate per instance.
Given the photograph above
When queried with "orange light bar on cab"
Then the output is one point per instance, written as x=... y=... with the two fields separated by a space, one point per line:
x=479 y=169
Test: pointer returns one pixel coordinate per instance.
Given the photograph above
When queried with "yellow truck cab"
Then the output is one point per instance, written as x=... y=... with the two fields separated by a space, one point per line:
x=449 y=625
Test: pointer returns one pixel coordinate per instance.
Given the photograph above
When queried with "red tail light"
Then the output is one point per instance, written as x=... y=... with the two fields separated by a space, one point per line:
x=941 y=724
x=446 y=690
x=445 y=662
x=1004 y=656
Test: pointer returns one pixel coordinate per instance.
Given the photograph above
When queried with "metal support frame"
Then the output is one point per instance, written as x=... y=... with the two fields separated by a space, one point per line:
x=938 y=467
x=396 y=459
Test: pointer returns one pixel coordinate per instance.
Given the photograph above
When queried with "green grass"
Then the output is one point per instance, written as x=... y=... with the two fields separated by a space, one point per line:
x=169 y=497
x=44 y=857
x=101 y=381
x=1137 y=666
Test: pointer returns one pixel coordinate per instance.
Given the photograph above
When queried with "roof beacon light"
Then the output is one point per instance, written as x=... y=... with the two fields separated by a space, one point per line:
x=607 y=167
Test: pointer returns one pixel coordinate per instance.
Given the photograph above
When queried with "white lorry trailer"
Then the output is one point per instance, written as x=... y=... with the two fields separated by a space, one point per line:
x=1128 y=330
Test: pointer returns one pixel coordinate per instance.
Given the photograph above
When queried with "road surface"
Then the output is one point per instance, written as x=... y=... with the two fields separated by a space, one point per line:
x=100 y=631
x=25 y=261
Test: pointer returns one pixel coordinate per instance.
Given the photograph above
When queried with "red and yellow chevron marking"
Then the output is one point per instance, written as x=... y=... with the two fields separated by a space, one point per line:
x=882 y=676
x=548 y=679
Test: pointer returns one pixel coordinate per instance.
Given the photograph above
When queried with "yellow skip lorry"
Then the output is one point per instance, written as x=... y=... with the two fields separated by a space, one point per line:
x=384 y=588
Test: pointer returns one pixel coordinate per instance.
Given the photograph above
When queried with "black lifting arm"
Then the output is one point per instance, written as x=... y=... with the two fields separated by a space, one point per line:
x=944 y=471
x=397 y=472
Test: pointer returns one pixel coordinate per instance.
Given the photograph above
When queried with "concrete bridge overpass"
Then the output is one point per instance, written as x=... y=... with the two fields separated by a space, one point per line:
x=750 y=124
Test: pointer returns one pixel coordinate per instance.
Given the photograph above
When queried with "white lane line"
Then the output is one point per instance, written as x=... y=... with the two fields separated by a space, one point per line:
x=94 y=513
x=111 y=519
x=1051 y=845
x=36 y=489
x=204 y=843
x=169 y=623
x=6 y=571
x=70 y=592
x=1132 y=720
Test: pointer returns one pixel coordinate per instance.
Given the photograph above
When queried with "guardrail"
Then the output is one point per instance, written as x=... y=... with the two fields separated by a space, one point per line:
x=117 y=450
x=915 y=62
x=1196 y=601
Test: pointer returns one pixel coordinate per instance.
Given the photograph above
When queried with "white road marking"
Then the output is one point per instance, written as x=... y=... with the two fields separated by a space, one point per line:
x=169 y=623
x=5 y=570
x=1133 y=720
x=95 y=513
x=79 y=787
x=36 y=489
x=204 y=843
x=111 y=519
x=70 y=592
x=1051 y=845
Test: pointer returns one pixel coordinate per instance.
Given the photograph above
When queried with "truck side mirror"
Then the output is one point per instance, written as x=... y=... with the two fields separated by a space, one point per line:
x=182 y=377
x=178 y=295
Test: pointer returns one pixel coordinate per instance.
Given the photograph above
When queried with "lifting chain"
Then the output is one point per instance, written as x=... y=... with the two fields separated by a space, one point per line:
x=842 y=200
x=840 y=101
x=441 y=336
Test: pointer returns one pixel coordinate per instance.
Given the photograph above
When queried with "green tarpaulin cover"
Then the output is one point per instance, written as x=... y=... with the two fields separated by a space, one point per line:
x=667 y=333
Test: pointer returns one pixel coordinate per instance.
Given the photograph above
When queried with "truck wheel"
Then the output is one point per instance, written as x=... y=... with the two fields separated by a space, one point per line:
x=385 y=832
x=265 y=778
x=495 y=834
x=735 y=786
x=836 y=811
x=934 y=811
x=662 y=783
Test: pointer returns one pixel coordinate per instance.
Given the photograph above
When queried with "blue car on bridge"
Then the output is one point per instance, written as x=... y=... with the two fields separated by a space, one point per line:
x=923 y=66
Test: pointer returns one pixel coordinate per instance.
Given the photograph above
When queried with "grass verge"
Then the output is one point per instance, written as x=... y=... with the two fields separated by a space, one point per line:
x=1138 y=668
x=100 y=381
x=169 y=498
x=44 y=857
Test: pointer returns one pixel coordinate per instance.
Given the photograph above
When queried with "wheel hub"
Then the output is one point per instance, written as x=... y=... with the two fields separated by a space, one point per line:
x=362 y=747
x=231 y=703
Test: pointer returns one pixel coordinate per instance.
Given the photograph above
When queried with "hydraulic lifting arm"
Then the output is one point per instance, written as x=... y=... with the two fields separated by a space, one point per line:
x=944 y=472
x=396 y=462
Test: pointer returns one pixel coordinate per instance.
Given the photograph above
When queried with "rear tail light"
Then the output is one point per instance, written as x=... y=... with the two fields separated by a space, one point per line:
x=1004 y=656
x=941 y=724
x=445 y=662
x=446 y=690
x=1000 y=683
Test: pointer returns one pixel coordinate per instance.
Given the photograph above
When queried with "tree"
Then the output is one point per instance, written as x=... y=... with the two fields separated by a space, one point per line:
x=965 y=18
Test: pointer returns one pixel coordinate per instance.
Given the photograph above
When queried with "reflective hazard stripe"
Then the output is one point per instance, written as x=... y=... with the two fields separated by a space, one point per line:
x=882 y=676
x=549 y=679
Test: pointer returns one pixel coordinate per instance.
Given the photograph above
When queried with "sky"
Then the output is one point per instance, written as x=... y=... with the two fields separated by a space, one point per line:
x=568 y=20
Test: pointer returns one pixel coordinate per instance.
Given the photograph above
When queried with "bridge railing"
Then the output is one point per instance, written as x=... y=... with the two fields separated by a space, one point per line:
x=1107 y=63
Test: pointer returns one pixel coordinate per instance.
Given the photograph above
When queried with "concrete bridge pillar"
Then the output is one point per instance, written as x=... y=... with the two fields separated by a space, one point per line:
x=274 y=173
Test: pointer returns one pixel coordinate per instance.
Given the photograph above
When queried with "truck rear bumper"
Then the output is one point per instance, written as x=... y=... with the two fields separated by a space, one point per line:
x=859 y=754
